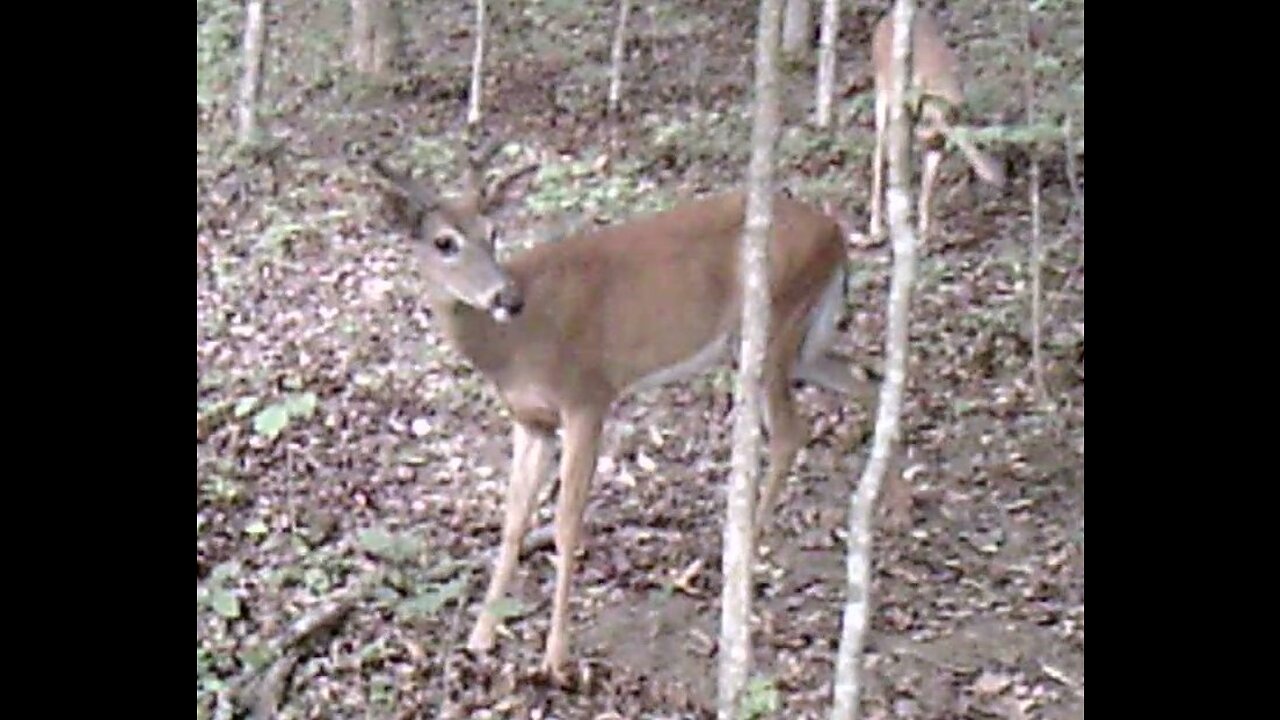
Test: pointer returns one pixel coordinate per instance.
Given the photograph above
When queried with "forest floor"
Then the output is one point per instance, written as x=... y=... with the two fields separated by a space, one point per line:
x=340 y=443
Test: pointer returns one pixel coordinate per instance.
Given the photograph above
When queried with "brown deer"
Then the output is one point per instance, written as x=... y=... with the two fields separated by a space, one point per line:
x=566 y=328
x=935 y=76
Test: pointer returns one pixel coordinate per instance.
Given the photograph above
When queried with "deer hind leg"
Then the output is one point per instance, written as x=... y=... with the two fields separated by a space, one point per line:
x=786 y=435
x=816 y=362
x=793 y=339
x=577 y=467
x=530 y=466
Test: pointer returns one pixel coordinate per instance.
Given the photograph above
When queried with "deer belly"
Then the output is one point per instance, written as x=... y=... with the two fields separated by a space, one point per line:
x=708 y=356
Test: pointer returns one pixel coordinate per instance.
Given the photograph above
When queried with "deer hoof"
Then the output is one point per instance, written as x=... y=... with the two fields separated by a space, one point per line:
x=481 y=639
x=555 y=673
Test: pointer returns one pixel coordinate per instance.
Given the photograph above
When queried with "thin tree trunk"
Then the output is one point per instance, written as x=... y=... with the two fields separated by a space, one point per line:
x=861 y=502
x=618 y=56
x=697 y=65
x=827 y=61
x=477 y=63
x=1037 y=357
x=735 y=611
x=1077 y=197
x=360 y=49
x=255 y=42
x=387 y=36
x=797 y=27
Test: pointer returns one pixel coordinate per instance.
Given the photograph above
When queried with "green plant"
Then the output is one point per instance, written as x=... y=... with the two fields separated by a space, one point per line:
x=576 y=187
x=273 y=419
x=760 y=698
x=429 y=603
x=215 y=593
x=217 y=38
x=390 y=546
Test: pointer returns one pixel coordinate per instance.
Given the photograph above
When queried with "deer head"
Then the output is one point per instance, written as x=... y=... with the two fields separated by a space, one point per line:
x=453 y=236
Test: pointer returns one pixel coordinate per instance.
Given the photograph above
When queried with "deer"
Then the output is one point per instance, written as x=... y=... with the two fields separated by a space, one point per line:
x=563 y=329
x=935 y=78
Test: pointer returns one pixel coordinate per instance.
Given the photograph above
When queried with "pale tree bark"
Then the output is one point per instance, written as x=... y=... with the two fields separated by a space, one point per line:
x=827 y=61
x=857 y=607
x=255 y=42
x=360 y=47
x=1077 y=198
x=1029 y=89
x=477 y=62
x=618 y=56
x=375 y=35
x=797 y=27
x=735 y=600
x=1077 y=202
x=388 y=34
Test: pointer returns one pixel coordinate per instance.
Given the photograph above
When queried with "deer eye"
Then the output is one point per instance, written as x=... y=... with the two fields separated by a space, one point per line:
x=446 y=244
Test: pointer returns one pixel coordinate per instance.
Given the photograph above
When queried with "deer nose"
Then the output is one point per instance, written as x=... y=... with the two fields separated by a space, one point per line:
x=508 y=301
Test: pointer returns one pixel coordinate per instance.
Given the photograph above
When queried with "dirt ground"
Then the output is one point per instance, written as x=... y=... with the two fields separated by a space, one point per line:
x=338 y=438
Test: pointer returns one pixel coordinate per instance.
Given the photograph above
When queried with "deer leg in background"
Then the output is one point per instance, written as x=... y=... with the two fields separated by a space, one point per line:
x=531 y=454
x=882 y=115
x=929 y=175
x=577 y=466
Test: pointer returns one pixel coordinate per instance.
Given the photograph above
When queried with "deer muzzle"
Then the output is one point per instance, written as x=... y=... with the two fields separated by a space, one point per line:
x=507 y=302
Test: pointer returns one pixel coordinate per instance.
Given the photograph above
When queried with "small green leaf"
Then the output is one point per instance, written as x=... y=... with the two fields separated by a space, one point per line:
x=209 y=408
x=224 y=571
x=278 y=234
x=376 y=541
x=507 y=607
x=302 y=405
x=257 y=528
x=224 y=603
x=424 y=605
x=316 y=579
x=245 y=406
x=371 y=650
x=271 y=420
x=760 y=698
x=255 y=656
x=454 y=588
x=429 y=603
x=404 y=547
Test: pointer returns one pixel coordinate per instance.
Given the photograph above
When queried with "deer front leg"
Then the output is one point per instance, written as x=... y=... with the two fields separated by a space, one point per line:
x=577 y=466
x=530 y=466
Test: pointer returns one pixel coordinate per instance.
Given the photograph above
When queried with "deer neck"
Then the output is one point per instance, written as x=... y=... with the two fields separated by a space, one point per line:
x=475 y=334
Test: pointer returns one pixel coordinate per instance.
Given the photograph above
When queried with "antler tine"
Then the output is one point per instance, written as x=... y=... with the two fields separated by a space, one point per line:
x=481 y=150
x=408 y=185
x=479 y=154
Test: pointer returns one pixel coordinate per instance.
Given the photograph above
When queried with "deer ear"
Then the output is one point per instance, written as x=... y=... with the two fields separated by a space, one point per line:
x=404 y=200
x=508 y=187
x=400 y=210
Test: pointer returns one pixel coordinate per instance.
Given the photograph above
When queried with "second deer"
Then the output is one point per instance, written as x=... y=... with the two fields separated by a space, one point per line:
x=566 y=328
x=936 y=77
